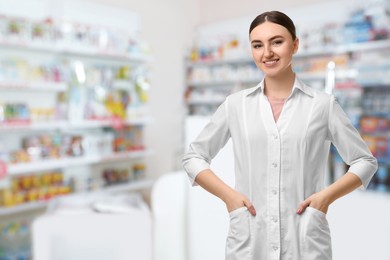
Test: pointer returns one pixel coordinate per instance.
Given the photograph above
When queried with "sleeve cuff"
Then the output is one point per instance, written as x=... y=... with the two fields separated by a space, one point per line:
x=364 y=171
x=194 y=167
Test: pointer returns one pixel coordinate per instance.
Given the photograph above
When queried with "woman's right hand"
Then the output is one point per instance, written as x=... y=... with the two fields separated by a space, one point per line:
x=235 y=200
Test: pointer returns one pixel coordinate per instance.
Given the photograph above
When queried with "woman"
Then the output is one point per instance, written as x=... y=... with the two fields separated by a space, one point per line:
x=281 y=132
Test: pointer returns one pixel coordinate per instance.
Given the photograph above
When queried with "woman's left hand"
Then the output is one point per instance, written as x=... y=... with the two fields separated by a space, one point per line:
x=318 y=201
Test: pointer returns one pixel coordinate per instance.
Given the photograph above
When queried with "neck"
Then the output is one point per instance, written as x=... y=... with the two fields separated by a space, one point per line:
x=279 y=86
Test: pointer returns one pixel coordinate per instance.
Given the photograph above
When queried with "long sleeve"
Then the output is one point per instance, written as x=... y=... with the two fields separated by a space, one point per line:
x=351 y=147
x=205 y=147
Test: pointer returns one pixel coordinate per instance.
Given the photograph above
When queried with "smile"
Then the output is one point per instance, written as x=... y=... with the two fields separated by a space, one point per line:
x=270 y=62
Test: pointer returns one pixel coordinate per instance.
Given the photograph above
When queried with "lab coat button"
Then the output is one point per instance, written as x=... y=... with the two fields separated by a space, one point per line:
x=275 y=219
x=274 y=164
x=275 y=137
x=274 y=192
x=275 y=248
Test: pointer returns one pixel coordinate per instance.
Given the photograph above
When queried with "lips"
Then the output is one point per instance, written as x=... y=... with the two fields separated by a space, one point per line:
x=270 y=62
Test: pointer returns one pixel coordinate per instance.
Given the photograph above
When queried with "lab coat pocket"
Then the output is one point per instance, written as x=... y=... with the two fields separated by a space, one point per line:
x=238 y=240
x=315 y=235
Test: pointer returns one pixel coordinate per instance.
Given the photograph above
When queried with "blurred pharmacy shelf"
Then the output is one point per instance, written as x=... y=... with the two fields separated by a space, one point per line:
x=202 y=63
x=363 y=46
x=51 y=164
x=340 y=74
x=122 y=84
x=223 y=83
x=345 y=48
x=21 y=85
x=61 y=49
x=210 y=101
x=74 y=106
x=38 y=205
x=69 y=125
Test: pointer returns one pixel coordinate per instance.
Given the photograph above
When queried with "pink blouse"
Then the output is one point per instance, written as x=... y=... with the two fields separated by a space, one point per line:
x=276 y=106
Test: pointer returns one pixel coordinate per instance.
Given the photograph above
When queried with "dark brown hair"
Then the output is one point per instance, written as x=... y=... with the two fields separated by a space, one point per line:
x=275 y=17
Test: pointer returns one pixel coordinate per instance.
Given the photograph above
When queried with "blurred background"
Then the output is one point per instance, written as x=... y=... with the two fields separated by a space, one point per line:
x=99 y=100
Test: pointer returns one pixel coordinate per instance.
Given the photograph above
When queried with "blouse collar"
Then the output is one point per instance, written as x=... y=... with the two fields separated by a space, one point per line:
x=298 y=85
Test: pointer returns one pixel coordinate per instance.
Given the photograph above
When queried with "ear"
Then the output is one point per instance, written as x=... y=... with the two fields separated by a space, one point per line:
x=296 y=45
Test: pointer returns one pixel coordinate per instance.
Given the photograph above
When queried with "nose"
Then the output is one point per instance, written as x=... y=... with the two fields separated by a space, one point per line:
x=268 y=51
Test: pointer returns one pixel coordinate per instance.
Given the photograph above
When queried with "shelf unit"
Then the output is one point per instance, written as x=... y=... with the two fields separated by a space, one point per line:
x=222 y=83
x=39 y=205
x=61 y=52
x=218 y=78
x=51 y=164
x=68 y=125
x=33 y=86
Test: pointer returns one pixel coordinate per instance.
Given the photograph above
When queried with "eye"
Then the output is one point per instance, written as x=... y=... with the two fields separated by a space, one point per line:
x=257 y=46
x=277 y=42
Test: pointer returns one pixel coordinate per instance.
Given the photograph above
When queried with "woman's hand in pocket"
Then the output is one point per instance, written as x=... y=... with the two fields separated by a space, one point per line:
x=235 y=200
x=318 y=201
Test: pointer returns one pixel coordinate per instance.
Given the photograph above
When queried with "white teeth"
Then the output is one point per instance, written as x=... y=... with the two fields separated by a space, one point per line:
x=270 y=62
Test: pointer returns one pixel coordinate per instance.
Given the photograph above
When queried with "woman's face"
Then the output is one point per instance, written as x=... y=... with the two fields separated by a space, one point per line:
x=272 y=48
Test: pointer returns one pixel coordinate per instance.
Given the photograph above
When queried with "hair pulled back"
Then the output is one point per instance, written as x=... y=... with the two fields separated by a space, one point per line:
x=275 y=17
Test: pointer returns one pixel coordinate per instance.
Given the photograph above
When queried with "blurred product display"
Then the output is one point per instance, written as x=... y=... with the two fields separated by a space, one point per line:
x=69 y=36
x=112 y=176
x=73 y=106
x=34 y=187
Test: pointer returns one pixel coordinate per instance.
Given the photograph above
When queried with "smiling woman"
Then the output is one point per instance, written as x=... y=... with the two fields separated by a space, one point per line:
x=281 y=131
x=273 y=43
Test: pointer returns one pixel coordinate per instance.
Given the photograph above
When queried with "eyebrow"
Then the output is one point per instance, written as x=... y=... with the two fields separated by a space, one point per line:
x=271 y=39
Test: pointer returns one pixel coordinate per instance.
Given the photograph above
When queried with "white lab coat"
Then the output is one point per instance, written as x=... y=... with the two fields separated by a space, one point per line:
x=277 y=166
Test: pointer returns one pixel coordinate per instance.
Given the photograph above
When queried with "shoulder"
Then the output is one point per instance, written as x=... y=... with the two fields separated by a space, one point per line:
x=239 y=96
x=319 y=96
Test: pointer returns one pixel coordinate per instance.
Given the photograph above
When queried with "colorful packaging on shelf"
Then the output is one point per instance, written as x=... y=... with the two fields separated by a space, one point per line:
x=128 y=139
x=33 y=187
x=371 y=124
x=115 y=176
x=72 y=35
x=378 y=146
x=48 y=146
x=14 y=113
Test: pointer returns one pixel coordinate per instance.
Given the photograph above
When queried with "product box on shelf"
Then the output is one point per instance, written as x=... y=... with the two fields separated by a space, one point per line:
x=379 y=146
x=33 y=187
x=372 y=124
x=114 y=176
x=130 y=138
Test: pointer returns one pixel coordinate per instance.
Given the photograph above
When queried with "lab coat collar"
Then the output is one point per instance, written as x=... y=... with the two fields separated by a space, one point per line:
x=298 y=85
